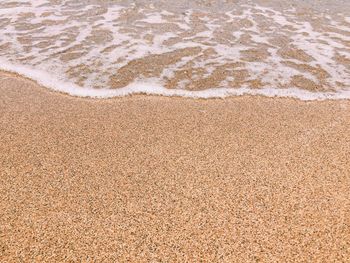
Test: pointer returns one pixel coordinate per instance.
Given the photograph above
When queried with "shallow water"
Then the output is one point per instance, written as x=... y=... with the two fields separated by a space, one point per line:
x=191 y=48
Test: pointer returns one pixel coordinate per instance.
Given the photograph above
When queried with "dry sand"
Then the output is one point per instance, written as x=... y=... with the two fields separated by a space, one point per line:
x=155 y=179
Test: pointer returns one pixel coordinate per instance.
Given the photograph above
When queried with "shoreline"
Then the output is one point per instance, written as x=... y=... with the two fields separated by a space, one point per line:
x=153 y=178
x=152 y=89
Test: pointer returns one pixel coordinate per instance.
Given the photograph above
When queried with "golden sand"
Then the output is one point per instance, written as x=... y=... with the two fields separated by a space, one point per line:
x=155 y=179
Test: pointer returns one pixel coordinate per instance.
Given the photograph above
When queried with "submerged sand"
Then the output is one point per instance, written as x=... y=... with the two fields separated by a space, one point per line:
x=155 y=179
x=183 y=46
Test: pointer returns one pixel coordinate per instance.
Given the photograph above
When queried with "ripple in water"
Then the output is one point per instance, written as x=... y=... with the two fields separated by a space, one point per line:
x=103 y=49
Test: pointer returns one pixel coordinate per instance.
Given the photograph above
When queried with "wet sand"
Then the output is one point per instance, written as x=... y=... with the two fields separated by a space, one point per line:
x=155 y=179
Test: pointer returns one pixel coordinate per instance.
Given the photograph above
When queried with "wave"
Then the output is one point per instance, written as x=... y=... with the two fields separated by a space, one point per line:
x=103 y=49
x=149 y=88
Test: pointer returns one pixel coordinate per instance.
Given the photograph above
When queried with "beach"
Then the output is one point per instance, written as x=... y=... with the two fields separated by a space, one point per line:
x=157 y=179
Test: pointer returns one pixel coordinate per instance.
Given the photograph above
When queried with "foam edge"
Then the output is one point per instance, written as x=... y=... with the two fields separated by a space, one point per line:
x=152 y=88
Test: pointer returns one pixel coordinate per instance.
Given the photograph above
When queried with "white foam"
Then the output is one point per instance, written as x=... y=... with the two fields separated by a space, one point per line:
x=74 y=33
x=152 y=87
x=154 y=19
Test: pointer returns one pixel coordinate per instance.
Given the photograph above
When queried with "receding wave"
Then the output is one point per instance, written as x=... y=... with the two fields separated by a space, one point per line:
x=207 y=49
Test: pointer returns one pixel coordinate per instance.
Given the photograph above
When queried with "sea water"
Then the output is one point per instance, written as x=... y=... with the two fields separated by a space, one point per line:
x=203 y=49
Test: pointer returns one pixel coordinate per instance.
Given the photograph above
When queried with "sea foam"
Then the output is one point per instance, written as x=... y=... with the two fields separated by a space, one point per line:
x=151 y=87
x=105 y=50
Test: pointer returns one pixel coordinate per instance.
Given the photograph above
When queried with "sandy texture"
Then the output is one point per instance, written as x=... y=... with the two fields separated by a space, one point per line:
x=154 y=179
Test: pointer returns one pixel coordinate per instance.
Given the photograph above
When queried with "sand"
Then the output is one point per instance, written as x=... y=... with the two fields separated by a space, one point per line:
x=155 y=179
